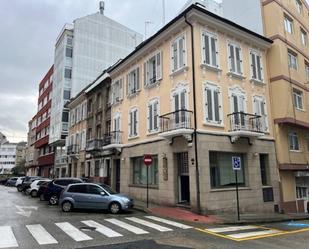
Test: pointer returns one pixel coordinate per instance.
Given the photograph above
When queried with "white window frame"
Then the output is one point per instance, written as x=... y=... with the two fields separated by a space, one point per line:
x=240 y=93
x=213 y=59
x=298 y=99
x=299 y=6
x=303 y=37
x=131 y=131
x=116 y=116
x=288 y=24
x=181 y=87
x=148 y=80
x=293 y=137
x=133 y=81
x=307 y=70
x=117 y=90
x=292 y=60
x=183 y=53
x=230 y=59
x=213 y=88
x=151 y=122
x=260 y=100
x=254 y=68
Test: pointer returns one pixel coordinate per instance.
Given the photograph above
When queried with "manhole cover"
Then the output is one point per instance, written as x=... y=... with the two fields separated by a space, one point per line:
x=87 y=228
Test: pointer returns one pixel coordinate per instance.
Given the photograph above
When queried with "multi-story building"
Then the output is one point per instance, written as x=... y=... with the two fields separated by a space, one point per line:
x=286 y=22
x=82 y=50
x=2 y=138
x=194 y=96
x=45 y=151
x=7 y=157
x=21 y=154
x=31 y=152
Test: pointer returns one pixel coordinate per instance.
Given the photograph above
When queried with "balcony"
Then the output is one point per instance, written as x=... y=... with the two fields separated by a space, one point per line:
x=245 y=125
x=176 y=124
x=112 y=140
x=94 y=145
x=73 y=149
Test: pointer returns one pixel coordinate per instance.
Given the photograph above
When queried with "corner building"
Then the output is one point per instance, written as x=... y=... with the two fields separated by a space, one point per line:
x=194 y=97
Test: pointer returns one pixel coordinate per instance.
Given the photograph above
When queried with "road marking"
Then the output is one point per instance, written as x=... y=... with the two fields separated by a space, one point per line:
x=230 y=229
x=102 y=229
x=127 y=226
x=149 y=224
x=252 y=234
x=24 y=212
x=7 y=237
x=169 y=222
x=72 y=231
x=41 y=235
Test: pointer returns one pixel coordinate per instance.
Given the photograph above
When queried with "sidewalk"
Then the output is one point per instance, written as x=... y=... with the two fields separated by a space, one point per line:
x=182 y=214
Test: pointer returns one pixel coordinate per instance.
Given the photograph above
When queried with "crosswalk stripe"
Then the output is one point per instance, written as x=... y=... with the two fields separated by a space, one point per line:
x=149 y=224
x=7 y=237
x=41 y=235
x=102 y=229
x=252 y=234
x=72 y=231
x=169 y=222
x=230 y=229
x=127 y=226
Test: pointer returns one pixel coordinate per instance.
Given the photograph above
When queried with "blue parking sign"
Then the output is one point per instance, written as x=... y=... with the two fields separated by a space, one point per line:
x=236 y=163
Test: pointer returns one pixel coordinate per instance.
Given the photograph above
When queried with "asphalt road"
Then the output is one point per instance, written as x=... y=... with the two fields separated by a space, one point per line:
x=28 y=223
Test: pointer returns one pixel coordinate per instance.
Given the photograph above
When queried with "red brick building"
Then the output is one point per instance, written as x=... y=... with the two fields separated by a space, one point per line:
x=45 y=152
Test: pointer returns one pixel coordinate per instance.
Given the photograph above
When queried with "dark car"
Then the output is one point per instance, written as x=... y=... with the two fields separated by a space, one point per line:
x=27 y=182
x=4 y=181
x=11 y=181
x=41 y=190
x=54 y=188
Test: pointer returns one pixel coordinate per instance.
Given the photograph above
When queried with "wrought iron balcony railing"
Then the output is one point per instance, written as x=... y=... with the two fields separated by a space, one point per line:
x=114 y=137
x=240 y=121
x=73 y=149
x=94 y=144
x=180 y=119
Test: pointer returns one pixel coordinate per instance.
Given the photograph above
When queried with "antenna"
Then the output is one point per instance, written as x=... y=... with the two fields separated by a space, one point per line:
x=163 y=12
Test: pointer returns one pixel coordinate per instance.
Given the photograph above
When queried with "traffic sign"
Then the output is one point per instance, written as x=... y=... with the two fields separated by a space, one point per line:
x=147 y=160
x=236 y=163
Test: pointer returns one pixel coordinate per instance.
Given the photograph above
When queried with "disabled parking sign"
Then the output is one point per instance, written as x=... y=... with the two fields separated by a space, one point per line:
x=236 y=163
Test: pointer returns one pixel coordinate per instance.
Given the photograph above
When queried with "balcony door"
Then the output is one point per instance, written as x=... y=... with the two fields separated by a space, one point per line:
x=180 y=104
x=238 y=103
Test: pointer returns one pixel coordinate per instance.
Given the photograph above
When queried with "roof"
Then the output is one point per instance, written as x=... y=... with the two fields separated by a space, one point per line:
x=181 y=15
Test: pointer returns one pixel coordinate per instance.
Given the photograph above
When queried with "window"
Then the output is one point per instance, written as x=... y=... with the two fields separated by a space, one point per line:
x=222 y=174
x=235 y=58
x=178 y=53
x=117 y=91
x=66 y=94
x=264 y=167
x=99 y=101
x=213 y=104
x=256 y=66
x=299 y=6
x=78 y=189
x=303 y=36
x=116 y=122
x=292 y=60
x=210 y=50
x=68 y=73
x=293 y=141
x=70 y=40
x=260 y=108
x=153 y=116
x=288 y=24
x=301 y=192
x=69 y=52
x=153 y=69
x=97 y=168
x=89 y=107
x=140 y=171
x=298 y=99
x=307 y=70
x=65 y=117
x=133 y=122
x=94 y=190
x=133 y=81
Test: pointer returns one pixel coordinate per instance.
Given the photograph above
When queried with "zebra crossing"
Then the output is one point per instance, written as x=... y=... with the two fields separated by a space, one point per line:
x=105 y=227
x=241 y=233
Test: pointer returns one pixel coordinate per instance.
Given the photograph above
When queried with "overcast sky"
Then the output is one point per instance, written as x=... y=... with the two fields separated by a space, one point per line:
x=28 y=29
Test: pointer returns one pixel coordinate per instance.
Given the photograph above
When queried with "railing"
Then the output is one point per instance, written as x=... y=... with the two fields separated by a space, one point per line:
x=114 y=137
x=240 y=121
x=94 y=144
x=180 y=119
x=73 y=149
x=62 y=159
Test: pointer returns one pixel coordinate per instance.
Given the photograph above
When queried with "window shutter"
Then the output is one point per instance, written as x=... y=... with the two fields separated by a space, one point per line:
x=259 y=67
x=232 y=58
x=145 y=74
x=216 y=106
x=238 y=60
x=159 y=65
x=209 y=105
x=253 y=65
x=155 y=115
x=207 y=49
x=121 y=89
x=137 y=79
x=183 y=100
x=130 y=123
x=181 y=52
x=213 y=52
x=150 y=117
x=135 y=122
x=174 y=57
x=128 y=85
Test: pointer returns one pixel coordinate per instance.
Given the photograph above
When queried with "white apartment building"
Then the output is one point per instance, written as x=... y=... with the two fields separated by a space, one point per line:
x=7 y=157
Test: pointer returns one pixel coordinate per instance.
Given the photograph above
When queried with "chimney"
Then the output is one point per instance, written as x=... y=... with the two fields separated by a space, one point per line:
x=102 y=5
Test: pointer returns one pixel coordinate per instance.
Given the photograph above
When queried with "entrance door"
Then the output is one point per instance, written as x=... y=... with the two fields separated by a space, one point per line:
x=183 y=177
x=108 y=171
x=117 y=174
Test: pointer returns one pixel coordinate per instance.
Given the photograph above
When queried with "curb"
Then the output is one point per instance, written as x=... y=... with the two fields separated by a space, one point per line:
x=264 y=221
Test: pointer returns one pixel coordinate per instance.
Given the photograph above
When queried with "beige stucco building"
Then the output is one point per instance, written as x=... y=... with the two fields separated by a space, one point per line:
x=286 y=22
x=195 y=96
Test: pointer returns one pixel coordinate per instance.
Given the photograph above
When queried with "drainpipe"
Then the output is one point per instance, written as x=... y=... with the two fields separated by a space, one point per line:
x=197 y=172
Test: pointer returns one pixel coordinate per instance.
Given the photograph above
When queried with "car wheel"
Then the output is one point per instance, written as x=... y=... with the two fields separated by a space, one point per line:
x=53 y=200
x=67 y=206
x=34 y=193
x=19 y=188
x=42 y=197
x=114 y=208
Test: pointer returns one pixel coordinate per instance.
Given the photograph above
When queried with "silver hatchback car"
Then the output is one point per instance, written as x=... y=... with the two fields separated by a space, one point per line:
x=93 y=196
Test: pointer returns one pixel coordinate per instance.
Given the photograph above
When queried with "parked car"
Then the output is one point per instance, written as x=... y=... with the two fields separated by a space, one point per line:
x=41 y=190
x=93 y=196
x=34 y=186
x=11 y=181
x=53 y=189
x=19 y=181
x=27 y=182
x=3 y=181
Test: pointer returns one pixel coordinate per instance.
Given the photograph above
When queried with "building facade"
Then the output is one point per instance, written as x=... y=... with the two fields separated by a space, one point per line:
x=194 y=96
x=287 y=24
x=7 y=157
x=31 y=164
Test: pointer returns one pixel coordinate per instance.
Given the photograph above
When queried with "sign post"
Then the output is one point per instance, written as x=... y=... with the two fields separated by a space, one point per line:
x=236 y=163
x=147 y=162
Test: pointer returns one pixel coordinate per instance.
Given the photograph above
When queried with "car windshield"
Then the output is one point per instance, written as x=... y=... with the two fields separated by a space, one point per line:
x=108 y=189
